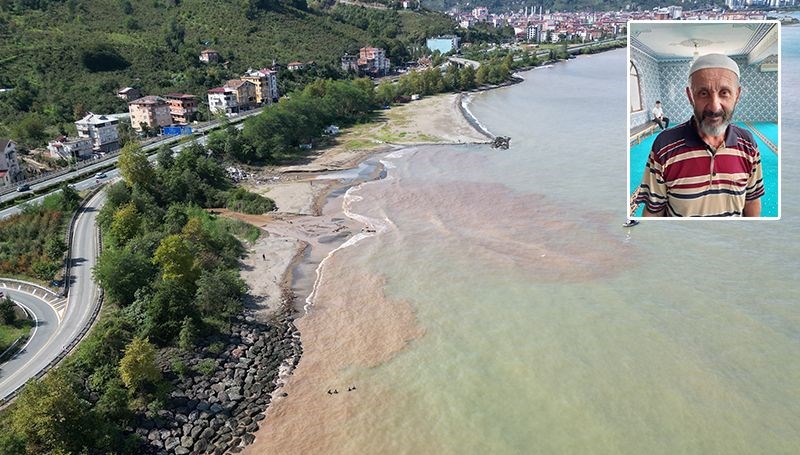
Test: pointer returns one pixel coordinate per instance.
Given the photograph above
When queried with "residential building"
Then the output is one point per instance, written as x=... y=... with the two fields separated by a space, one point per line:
x=443 y=44
x=373 y=60
x=209 y=56
x=70 y=148
x=129 y=93
x=101 y=130
x=150 y=112
x=9 y=167
x=294 y=66
x=266 y=84
x=350 y=62
x=245 y=92
x=182 y=107
x=480 y=13
x=222 y=100
x=532 y=33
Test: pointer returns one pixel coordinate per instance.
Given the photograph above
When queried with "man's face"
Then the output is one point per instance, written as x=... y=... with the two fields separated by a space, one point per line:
x=713 y=93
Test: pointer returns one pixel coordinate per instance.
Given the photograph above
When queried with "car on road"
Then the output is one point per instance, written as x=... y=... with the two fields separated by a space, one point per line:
x=23 y=188
x=100 y=175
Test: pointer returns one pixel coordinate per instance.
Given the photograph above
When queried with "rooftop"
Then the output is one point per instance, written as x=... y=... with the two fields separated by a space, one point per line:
x=150 y=99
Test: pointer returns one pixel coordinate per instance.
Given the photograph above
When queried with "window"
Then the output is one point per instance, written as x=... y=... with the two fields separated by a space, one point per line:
x=634 y=88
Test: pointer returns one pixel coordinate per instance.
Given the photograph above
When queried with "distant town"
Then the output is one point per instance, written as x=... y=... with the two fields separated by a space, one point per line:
x=173 y=113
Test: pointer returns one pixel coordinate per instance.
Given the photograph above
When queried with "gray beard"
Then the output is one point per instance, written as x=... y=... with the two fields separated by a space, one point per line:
x=714 y=130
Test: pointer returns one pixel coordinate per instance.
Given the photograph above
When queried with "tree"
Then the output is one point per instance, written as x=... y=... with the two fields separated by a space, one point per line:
x=54 y=247
x=134 y=167
x=467 y=78
x=166 y=309
x=164 y=158
x=188 y=334
x=176 y=260
x=51 y=416
x=482 y=75
x=385 y=93
x=138 y=368
x=70 y=198
x=126 y=224
x=121 y=271
x=220 y=292
x=7 y=312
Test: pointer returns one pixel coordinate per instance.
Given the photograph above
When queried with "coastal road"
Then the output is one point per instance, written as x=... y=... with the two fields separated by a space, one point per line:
x=11 y=194
x=46 y=321
x=48 y=346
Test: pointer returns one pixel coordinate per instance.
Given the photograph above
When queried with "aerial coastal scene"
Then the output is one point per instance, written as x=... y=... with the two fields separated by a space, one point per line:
x=390 y=227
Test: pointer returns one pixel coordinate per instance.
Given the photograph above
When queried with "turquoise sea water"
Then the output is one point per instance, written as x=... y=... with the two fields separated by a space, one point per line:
x=548 y=328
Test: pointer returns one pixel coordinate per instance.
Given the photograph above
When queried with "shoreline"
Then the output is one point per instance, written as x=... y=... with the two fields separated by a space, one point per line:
x=311 y=256
x=302 y=224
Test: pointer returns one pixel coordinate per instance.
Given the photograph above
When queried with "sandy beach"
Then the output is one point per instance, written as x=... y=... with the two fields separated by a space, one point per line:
x=359 y=324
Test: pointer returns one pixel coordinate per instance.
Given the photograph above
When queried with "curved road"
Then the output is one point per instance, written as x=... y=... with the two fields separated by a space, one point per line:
x=52 y=336
x=46 y=322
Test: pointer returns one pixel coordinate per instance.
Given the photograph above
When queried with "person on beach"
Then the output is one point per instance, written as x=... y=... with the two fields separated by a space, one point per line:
x=705 y=166
x=658 y=116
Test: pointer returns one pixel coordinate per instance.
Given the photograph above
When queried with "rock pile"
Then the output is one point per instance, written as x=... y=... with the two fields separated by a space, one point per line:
x=501 y=142
x=216 y=407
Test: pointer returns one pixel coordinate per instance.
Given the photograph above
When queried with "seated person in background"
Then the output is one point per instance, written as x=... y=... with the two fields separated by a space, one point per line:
x=658 y=116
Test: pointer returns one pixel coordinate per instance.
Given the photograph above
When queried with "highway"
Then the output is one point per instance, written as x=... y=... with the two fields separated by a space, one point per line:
x=55 y=334
x=91 y=169
x=59 y=323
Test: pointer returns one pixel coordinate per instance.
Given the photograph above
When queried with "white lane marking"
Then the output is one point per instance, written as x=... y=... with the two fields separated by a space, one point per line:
x=35 y=328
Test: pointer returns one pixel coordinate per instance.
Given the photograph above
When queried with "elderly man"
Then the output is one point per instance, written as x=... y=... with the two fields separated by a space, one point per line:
x=706 y=166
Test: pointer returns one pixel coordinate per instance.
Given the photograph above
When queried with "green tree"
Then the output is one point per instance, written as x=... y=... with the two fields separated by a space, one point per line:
x=166 y=309
x=188 y=334
x=134 y=167
x=54 y=247
x=482 y=76
x=126 y=224
x=137 y=368
x=121 y=272
x=385 y=93
x=220 y=292
x=51 y=416
x=70 y=198
x=467 y=78
x=7 y=312
x=175 y=259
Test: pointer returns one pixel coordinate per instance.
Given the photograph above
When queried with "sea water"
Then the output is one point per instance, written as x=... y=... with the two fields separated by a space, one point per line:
x=538 y=324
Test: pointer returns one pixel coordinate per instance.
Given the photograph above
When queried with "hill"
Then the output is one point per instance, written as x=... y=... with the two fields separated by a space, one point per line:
x=65 y=57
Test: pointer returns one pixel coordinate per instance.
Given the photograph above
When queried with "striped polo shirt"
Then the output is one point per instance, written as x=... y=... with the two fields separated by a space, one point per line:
x=689 y=178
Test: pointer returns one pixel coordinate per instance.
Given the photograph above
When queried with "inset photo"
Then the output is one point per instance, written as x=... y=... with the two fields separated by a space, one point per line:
x=703 y=119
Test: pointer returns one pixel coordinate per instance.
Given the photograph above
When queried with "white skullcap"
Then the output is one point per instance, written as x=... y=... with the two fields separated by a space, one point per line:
x=714 y=61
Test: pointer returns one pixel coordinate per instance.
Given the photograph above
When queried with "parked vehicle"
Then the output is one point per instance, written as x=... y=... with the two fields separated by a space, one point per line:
x=24 y=187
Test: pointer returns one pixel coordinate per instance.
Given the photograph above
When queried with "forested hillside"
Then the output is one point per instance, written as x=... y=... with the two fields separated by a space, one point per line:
x=63 y=58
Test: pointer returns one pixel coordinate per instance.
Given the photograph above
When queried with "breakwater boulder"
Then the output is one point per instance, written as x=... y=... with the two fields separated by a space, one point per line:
x=501 y=142
x=221 y=391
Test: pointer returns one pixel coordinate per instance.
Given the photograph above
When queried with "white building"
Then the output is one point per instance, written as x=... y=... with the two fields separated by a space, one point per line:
x=222 y=100
x=101 y=130
x=267 y=88
x=532 y=33
x=9 y=167
x=68 y=148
